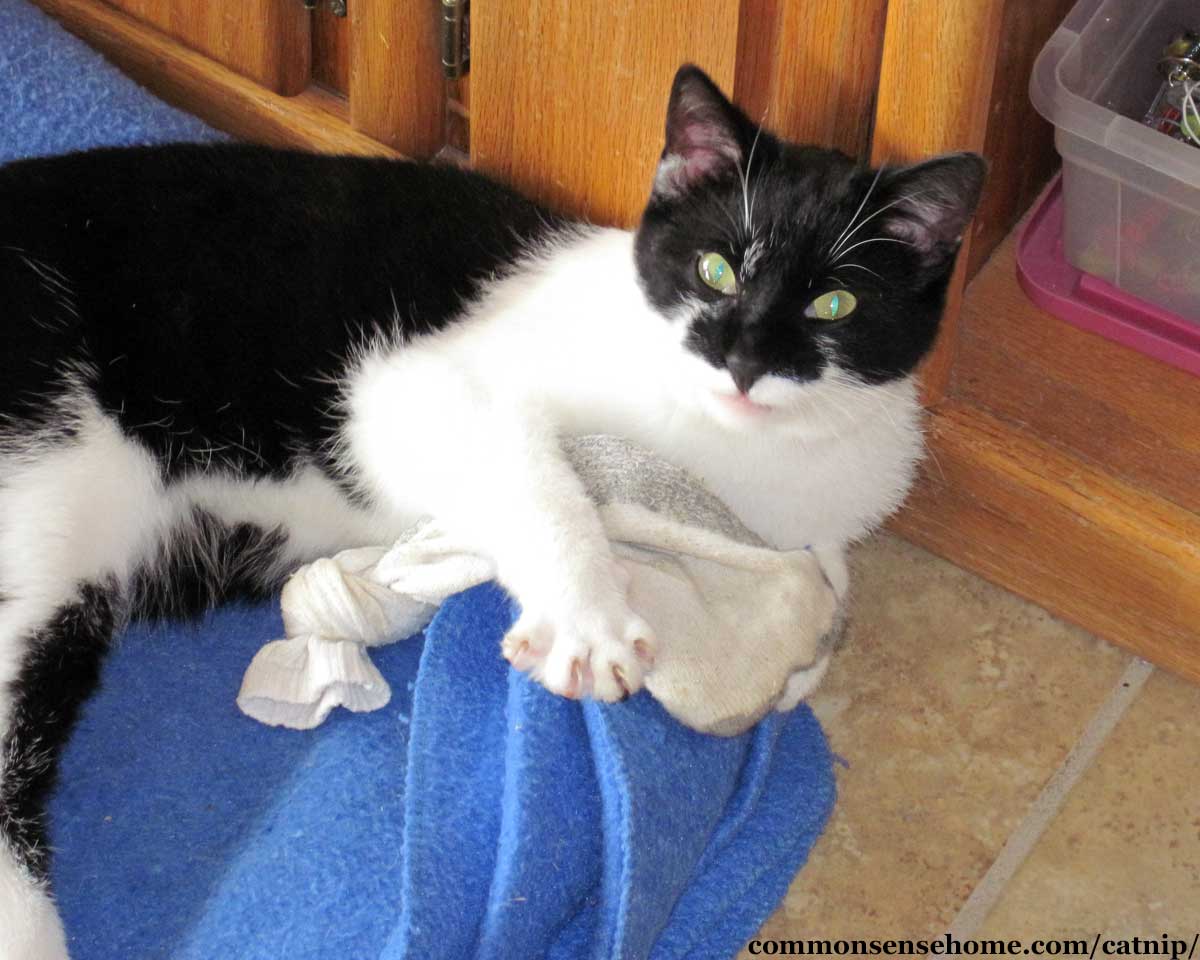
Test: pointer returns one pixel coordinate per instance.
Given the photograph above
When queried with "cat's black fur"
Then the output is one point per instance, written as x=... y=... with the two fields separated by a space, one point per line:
x=210 y=294
x=61 y=670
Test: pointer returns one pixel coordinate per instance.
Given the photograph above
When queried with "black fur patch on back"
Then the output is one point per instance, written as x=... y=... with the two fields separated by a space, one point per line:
x=40 y=350
x=215 y=292
x=61 y=670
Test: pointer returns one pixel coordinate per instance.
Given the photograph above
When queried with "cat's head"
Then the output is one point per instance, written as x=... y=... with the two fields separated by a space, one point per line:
x=784 y=266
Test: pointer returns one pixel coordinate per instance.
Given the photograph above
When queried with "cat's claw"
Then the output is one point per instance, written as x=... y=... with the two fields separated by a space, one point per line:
x=597 y=656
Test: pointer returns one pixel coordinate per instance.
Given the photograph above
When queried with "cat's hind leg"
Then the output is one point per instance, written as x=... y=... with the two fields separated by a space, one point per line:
x=80 y=509
x=60 y=668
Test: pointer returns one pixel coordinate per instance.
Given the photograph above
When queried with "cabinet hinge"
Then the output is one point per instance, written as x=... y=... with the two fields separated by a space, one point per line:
x=456 y=37
x=336 y=7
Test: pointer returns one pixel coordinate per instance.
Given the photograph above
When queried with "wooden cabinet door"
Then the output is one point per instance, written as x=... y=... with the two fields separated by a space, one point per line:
x=275 y=72
x=568 y=100
x=267 y=41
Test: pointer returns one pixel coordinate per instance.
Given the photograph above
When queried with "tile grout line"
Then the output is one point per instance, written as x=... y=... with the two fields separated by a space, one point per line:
x=1045 y=807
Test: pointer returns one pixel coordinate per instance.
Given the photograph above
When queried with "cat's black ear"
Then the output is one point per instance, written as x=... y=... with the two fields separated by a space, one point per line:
x=705 y=134
x=932 y=203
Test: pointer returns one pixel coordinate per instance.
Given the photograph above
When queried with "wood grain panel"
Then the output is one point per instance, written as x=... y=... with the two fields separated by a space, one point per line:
x=397 y=90
x=312 y=120
x=1116 y=560
x=265 y=40
x=808 y=69
x=1020 y=145
x=935 y=82
x=569 y=100
x=1130 y=415
x=330 y=50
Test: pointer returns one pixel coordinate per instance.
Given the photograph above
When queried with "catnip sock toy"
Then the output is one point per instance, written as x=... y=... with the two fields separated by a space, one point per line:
x=734 y=618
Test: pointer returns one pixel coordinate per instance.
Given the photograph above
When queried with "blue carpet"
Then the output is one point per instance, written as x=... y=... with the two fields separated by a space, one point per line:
x=475 y=816
x=57 y=94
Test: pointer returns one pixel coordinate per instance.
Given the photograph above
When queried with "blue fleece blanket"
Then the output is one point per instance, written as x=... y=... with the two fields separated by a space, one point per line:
x=475 y=816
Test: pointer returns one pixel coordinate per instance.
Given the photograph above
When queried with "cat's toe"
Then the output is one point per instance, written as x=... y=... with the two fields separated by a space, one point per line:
x=620 y=661
x=517 y=650
x=602 y=657
x=553 y=656
x=615 y=680
x=565 y=669
x=527 y=643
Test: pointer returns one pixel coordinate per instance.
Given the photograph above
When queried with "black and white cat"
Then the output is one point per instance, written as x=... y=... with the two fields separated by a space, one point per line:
x=219 y=362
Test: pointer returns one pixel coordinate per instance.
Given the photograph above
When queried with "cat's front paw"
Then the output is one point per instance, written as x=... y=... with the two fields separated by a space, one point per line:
x=594 y=651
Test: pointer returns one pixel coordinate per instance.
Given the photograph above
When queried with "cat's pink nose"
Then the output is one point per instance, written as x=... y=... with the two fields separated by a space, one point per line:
x=744 y=370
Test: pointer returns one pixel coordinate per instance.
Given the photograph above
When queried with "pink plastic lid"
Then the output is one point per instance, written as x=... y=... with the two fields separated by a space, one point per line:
x=1093 y=304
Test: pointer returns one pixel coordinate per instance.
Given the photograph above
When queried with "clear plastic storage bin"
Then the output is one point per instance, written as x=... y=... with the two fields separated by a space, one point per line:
x=1131 y=193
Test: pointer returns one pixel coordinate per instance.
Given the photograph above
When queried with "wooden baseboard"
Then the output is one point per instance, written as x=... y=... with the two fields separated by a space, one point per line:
x=312 y=120
x=1063 y=466
x=1119 y=561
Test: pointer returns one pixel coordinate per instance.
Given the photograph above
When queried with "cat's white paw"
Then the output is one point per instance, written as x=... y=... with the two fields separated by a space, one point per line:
x=593 y=650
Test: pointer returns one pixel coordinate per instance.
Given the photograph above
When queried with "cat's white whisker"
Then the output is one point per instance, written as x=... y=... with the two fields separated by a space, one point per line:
x=823 y=415
x=861 y=267
x=863 y=243
x=745 y=198
x=853 y=219
x=907 y=198
x=744 y=175
x=750 y=173
x=839 y=407
x=887 y=413
x=862 y=223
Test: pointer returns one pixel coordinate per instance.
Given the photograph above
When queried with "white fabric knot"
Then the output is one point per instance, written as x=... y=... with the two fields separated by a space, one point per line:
x=336 y=607
x=733 y=621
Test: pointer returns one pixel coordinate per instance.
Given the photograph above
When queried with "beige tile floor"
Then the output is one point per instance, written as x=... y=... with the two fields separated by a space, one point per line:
x=956 y=706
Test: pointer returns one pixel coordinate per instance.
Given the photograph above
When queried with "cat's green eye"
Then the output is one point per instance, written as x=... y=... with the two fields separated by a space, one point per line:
x=832 y=306
x=715 y=271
